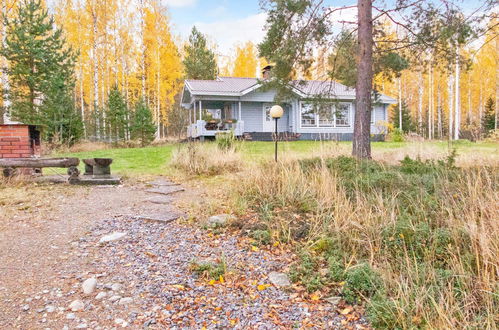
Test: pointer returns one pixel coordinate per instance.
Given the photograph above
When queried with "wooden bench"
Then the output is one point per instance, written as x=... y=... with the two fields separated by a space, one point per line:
x=10 y=164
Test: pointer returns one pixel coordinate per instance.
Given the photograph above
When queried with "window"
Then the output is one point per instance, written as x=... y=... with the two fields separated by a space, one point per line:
x=372 y=116
x=343 y=115
x=335 y=115
x=308 y=115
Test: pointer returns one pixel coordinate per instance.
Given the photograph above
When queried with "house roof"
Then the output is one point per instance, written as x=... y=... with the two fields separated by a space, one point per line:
x=233 y=86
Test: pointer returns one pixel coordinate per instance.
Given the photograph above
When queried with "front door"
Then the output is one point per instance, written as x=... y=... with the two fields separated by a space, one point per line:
x=268 y=121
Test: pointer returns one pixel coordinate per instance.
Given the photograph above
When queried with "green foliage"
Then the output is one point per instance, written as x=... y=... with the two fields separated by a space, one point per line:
x=212 y=270
x=396 y=135
x=306 y=272
x=361 y=282
x=262 y=237
x=117 y=115
x=344 y=65
x=142 y=127
x=41 y=72
x=200 y=61
x=489 y=116
x=408 y=124
x=226 y=140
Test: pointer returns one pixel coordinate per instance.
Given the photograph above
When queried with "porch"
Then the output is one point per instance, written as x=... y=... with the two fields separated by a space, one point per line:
x=208 y=117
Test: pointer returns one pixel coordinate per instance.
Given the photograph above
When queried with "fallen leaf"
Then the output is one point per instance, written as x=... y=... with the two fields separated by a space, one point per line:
x=346 y=310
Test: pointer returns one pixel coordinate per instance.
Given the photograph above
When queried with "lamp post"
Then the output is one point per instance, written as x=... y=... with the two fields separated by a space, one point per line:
x=276 y=112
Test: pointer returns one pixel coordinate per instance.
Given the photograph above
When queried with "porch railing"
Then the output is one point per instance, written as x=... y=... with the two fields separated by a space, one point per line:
x=198 y=129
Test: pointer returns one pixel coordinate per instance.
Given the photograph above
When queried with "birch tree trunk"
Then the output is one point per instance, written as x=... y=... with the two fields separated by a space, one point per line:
x=450 y=85
x=420 y=104
x=363 y=103
x=400 y=103
x=4 y=76
x=95 y=62
x=457 y=113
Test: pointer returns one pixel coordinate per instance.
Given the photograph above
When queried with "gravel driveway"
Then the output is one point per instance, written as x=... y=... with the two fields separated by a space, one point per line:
x=54 y=238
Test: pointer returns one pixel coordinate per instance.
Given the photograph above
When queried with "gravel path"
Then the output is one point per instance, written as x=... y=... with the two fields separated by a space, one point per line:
x=53 y=242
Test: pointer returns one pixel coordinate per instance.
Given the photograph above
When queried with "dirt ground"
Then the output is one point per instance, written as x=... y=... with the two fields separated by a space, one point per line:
x=50 y=244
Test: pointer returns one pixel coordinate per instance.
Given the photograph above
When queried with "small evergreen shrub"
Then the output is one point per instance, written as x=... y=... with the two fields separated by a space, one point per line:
x=361 y=282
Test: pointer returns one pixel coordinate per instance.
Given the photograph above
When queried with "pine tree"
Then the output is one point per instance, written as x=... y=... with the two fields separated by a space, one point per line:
x=200 y=61
x=407 y=122
x=142 y=128
x=488 y=120
x=116 y=116
x=41 y=71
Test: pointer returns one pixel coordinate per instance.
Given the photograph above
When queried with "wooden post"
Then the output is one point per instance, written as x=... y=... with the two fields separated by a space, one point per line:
x=240 y=118
x=200 y=110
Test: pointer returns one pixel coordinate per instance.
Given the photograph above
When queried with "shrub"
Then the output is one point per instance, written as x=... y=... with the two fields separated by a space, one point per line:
x=212 y=270
x=226 y=141
x=361 y=282
x=263 y=237
x=396 y=135
x=204 y=159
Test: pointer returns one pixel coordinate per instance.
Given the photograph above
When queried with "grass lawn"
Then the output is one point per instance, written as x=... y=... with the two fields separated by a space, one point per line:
x=155 y=160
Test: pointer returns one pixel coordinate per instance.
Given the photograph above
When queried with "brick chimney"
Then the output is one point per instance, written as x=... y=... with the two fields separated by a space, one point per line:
x=266 y=72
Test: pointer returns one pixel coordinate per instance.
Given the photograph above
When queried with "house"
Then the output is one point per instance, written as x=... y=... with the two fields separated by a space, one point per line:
x=242 y=105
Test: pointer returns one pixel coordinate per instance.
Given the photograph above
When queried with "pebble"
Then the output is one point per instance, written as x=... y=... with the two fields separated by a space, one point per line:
x=114 y=298
x=82 y=326
x=100 y=295
x=89 y=285
x=219 y=220
x=25 y=308
x=70 y=316
x=112 y=237
x=76 y=306
x=115 y=286
x=279 y=279
x=49 y=309
x=125 y=301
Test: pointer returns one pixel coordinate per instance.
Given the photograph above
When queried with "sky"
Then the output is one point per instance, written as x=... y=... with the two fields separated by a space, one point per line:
x=229 y=22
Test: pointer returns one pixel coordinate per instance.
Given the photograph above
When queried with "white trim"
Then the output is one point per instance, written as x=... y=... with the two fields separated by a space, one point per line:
x=240 y=114
x=317 y=119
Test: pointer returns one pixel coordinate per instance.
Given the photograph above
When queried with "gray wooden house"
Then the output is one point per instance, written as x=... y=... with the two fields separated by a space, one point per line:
x=242 y=105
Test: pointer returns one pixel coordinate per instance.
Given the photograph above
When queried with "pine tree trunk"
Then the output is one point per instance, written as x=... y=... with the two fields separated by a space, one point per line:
x=363 y=102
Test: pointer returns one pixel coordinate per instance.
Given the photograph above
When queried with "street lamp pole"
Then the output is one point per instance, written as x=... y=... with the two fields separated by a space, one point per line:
x=276 y=138
x=276 y=112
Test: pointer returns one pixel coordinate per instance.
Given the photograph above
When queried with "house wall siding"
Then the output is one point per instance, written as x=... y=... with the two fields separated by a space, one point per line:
x=252 y=116
x=260 y=96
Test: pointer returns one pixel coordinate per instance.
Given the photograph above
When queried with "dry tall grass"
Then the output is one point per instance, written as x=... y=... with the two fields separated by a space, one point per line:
x=432 y=235
x=205 y=159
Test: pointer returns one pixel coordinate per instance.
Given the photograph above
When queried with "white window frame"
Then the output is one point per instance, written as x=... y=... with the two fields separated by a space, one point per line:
x=317 y=118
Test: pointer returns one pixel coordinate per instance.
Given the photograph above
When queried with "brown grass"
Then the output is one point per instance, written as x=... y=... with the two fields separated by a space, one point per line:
x=451 y=285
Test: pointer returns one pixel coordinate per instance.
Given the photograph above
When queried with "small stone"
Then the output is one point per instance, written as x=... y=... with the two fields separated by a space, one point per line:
x=25 y=308
x=112 y=237
x=28 y=300
x=334 y=300
x=89 y=285
x=220 y=220
x=70 y=316
x=119 y=321
x=116 y=287
x=81 y=326
x=279 y=279
x=65 y=327
x=114 y=298
x=77 y=306
x=100 y=295
x=125 y=301
x=49 y=309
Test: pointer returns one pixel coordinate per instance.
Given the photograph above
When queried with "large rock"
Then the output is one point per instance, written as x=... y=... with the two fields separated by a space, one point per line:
x=220 y=220
x=89 y=285
x=77 y=306
x=279 y=279
x=112 y=237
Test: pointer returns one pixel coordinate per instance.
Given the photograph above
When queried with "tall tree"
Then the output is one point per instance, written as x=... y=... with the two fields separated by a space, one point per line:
x=142 y=128
x=246 y=61
x=199 y=61
x=41 y=69
x=117 y=114
x=297 y=27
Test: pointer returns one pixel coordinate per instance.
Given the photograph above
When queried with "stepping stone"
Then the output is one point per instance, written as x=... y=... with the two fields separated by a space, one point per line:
x=163 y=183
x=160 y=199
x=163 y=218
x=165 y=190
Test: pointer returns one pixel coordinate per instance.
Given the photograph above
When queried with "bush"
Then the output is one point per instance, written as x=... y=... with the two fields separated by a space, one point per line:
x=361 y=282
x=204 y=159
x=212 y=270
x=226 y=141
x=396 y=135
